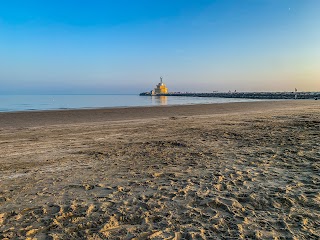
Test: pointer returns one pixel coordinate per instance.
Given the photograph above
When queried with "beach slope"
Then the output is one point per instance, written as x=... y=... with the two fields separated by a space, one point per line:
x=218 y=171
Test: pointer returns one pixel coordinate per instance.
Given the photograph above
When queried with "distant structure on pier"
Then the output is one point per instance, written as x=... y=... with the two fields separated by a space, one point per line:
x=161 y=88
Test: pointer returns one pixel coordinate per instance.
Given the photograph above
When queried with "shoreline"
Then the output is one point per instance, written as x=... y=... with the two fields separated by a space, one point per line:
x=69 y=116
x=151 y=103
x=142 y=106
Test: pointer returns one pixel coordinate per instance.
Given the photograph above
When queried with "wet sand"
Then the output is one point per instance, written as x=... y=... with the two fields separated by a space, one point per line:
x=218 y=171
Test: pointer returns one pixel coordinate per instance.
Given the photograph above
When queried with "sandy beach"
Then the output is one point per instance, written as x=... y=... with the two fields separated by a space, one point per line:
x=217 y=171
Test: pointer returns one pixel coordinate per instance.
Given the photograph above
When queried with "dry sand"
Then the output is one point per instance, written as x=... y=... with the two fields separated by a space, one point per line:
x=219 y=171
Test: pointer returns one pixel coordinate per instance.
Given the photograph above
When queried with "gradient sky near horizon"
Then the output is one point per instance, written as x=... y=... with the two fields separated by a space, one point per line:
x=124 y=46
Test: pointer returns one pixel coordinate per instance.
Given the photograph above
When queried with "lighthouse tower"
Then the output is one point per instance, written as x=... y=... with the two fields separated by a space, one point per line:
x=161 y=88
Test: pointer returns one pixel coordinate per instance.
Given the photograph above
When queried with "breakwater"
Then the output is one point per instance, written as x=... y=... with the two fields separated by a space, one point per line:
x=250 y=95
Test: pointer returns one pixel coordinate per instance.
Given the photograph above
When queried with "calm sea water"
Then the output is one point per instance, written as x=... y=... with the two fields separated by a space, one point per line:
x=10 y=103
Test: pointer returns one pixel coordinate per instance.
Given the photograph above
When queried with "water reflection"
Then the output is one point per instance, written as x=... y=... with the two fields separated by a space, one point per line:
x=160 y=100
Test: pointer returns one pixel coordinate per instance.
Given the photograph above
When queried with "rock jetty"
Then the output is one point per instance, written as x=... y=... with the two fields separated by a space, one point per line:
x=250 y=95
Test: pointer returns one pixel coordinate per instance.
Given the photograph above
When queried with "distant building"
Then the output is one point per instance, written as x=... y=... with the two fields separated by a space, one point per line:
x=161 y=88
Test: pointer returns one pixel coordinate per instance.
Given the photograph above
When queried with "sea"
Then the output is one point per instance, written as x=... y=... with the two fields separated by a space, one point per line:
x=14 y=103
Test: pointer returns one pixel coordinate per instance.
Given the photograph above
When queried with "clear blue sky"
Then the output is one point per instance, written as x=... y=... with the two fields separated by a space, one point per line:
x=124 y=46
